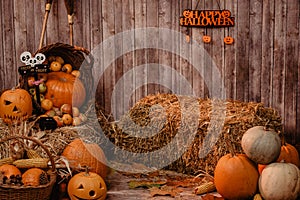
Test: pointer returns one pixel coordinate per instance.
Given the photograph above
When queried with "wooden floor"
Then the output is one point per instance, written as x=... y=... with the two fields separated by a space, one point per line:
x=119 y=189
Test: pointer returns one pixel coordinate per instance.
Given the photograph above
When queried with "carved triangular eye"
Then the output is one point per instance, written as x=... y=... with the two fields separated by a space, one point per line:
x=7 y=102
x=80 y=186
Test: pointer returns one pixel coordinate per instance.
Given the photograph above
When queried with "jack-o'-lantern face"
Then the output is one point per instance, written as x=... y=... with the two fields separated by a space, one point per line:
x=15 y=105
x=87 y=185
x=206 y=39
x=228 y=40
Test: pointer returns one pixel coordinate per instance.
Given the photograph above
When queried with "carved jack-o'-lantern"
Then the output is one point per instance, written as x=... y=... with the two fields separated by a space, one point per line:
x=87 y=185
x=228 y=40
x=206 y=39
x=15 y=105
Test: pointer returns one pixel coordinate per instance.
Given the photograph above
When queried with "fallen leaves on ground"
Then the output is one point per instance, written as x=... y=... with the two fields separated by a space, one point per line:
x=165 y=191
x=146 y=184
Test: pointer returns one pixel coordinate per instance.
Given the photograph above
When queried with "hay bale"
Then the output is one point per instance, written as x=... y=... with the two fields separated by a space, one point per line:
x=160 y=126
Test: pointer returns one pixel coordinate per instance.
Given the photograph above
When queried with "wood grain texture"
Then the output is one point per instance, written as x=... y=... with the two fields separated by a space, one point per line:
x=262 y=64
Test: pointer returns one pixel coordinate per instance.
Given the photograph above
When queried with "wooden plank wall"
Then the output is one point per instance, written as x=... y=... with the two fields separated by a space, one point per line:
x=262 y=65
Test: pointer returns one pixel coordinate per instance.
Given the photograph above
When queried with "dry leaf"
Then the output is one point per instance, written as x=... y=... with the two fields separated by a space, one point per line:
x=165 y=191
x=146 y=184
x=186 y=182
x=211 y=197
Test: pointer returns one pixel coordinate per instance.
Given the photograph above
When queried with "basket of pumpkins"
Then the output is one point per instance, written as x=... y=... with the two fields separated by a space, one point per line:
x=27 y=177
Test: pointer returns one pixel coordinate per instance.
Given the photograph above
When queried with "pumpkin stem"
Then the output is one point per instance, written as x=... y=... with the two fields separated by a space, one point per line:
x=87 y=170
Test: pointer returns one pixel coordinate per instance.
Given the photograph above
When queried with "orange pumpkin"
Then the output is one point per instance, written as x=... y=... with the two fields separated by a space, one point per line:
x=34 y=177
x=15 y=105
x=9 y=170
x=80 y=153
x=289 y=154
x=236 y=177
x=63 y=88
x=87 y=185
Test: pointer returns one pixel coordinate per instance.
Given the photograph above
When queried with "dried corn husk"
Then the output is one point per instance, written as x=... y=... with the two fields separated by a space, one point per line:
x=8 y=160
x=205 y=188
x=32 y=154
x=257 y=197
x=30 y=163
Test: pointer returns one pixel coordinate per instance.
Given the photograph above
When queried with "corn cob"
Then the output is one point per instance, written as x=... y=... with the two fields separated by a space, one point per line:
x=32 y=162
x=257 y=197
x=32 y=154
x=8 y=160
x=205 y=188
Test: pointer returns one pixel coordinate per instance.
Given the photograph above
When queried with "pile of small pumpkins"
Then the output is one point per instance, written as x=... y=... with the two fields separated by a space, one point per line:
x=269 y=168
x=61 y=95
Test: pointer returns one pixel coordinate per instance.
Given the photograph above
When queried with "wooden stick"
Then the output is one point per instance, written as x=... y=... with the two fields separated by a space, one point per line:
x=47 y=11
x=70 y=10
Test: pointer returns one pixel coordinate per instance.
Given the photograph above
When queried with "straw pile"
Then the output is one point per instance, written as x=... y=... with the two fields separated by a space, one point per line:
x=160 y=127
x=55 y=140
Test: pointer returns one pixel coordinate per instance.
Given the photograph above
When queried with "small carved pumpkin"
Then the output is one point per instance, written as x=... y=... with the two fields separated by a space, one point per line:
x=262 y=145
x=236 y=177
x=206 y=38
x=228 y=40
x=87 y=185
x=81 y=153
x=63 y=88
x=34 y=177
x=280 y=181
x=15 y=105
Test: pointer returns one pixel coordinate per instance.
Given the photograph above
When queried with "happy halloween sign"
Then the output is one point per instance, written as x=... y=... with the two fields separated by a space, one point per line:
x=206 y=18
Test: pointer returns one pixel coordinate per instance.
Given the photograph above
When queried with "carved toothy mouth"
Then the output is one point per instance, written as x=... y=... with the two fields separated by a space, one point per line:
x=7 y=117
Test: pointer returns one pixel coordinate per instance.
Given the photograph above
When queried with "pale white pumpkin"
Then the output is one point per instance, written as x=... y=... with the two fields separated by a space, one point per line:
x=261 y=145
x=280 y=181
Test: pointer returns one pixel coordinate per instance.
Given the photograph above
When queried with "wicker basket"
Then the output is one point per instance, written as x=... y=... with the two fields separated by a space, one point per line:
x=41 y=192
x=80 y=59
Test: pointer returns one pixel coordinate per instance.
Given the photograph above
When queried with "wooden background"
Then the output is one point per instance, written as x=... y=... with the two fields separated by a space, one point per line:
x=262 y=65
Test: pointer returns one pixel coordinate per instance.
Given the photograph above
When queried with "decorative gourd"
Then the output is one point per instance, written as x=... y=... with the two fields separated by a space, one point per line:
x=280 y=181
x=87 y=185
x=9 y=170
x=15 y=105
x=35 y=177
x=228 y=40
x=289 y=154
x=63 y=88
x=261 y=145
x=80 y=153
x=236 y=177
x=206 y=38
